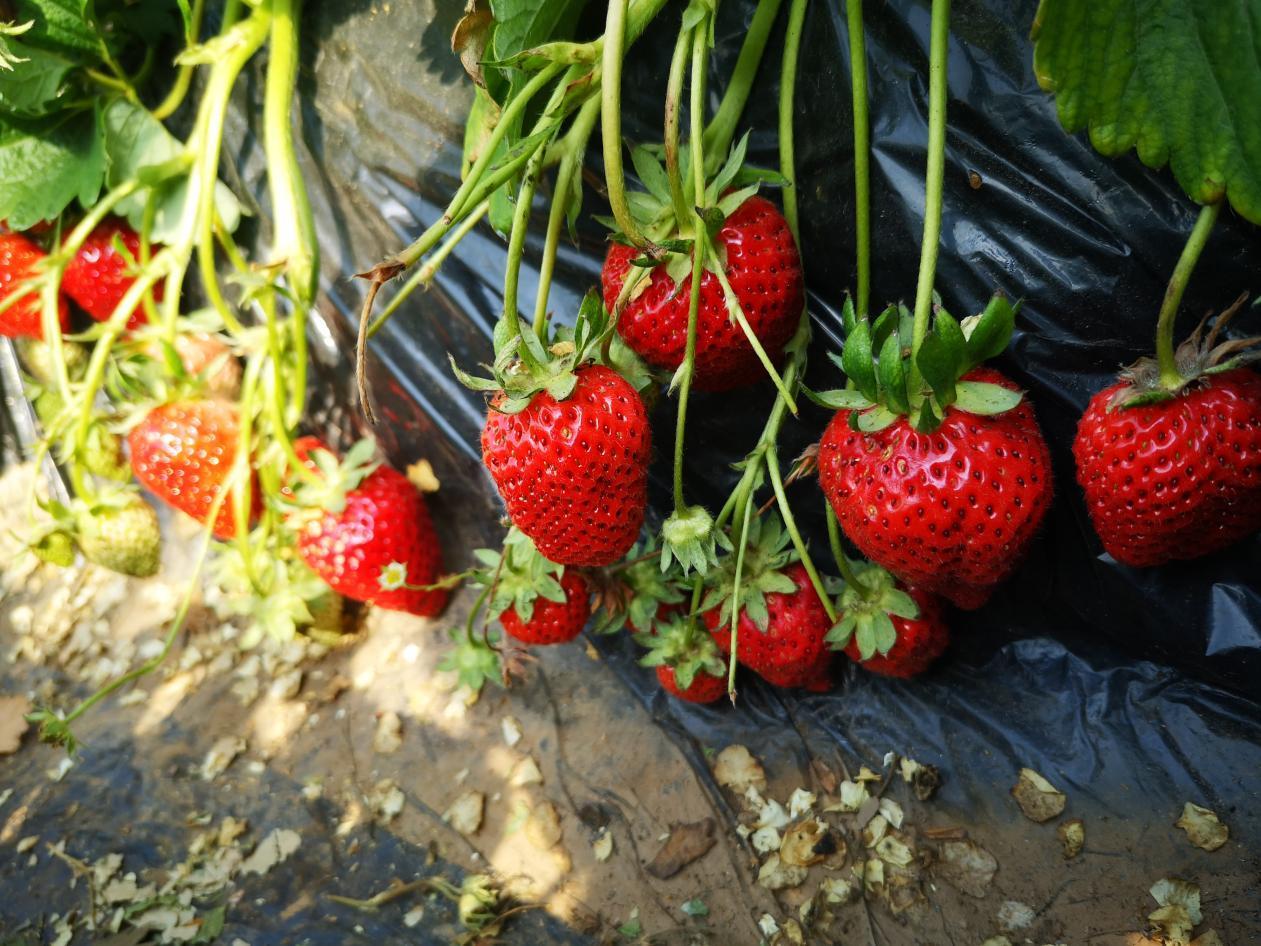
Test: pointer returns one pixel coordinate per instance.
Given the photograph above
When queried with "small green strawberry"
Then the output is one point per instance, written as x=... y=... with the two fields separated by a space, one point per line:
x=120 y=532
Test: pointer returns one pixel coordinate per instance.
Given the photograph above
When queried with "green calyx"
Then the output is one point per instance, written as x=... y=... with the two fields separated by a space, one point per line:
x=892 y=378
x=766 y=554
x=867 y=613
x=335 y=479
x=473 y=661
x=634 y=592
x=523 y=366
x=275 y=595
x=672 y=233
x=691 y=538
x=683 y=646
x=518 y=576
x=1200 y=356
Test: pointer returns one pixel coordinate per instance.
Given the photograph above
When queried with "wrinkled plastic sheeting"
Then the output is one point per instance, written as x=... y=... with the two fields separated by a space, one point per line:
x=1075 y=651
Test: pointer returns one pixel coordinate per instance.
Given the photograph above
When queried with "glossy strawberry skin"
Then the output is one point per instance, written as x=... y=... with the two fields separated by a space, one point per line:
x=704 y=688
x=764 y=269
x=99 y=276
x=385 y=519
x=18 y=260
x=791 y=652
x=951 y=512
x=183 y=452
x=573 y=474
x=553 y=622
x=920 y=641
x=1177 y=479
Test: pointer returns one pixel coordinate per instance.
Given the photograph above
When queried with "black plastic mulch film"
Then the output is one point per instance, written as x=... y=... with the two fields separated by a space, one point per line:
x=1105 y=678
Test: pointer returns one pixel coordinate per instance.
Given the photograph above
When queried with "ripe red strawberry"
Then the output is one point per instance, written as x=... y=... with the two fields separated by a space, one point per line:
x=206 y=357
x=764 y=269
x=183 y=452
x=1178 y=478
x=19 y=258
x=378 y=518
x=920 y=641
x=791 y=651
x=573 y=473
x=950 y=512
x=704 y=688
x=553 y=622
x=99 y=275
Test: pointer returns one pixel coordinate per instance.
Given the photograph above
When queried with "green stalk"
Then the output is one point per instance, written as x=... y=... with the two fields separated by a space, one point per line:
x=425 y=274
x=567 y=176
x=721 y=130
x=516 y=249
x=177 y=623
x=689 y=366
x=790 y=522
x=843 y=564
x=611 y=122
x=293 y=228
x=700 y=62
x=939 y=52
x=862 y=152
x=787 y=91
x=674 y=99
x=242 y=498
x=1170 y=377
x=184 y=76
x=745 y=520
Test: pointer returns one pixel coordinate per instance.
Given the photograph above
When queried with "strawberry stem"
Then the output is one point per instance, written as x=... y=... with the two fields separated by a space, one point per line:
x=611 y=123
x=424 y=275
x=790 y=522
x=862 y=152
x=746 y=520
x=934 y=174
x=722 y=127
x=843 y=564
x=567 y=177
x=787 y=91
x=674 y=100
x=184 y=75
x=1170 y=376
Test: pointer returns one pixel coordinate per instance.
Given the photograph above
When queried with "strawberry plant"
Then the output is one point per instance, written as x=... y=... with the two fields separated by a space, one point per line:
x=122 y=218
x=1168 y=457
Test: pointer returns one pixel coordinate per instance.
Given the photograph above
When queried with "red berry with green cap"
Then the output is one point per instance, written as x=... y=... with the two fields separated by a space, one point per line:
x=944 y=485
x=763 y=268
x=366 y=531
x=782 y=620
x=1173 y=472
x=549 y=621
x=888 y=630
x=688 y=662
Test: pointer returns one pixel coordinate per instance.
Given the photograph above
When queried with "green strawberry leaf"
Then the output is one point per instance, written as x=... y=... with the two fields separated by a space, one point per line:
x=524 y=24
x=842 y=631
x=891 y=373
x=988 y=333
x=47 y=163
x=857 y=360
x=938 y=361
x=59 y=25
x=33 y=86
x=135 y=141
x=979 y=397
x=1176 y=80
x=865 y=635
